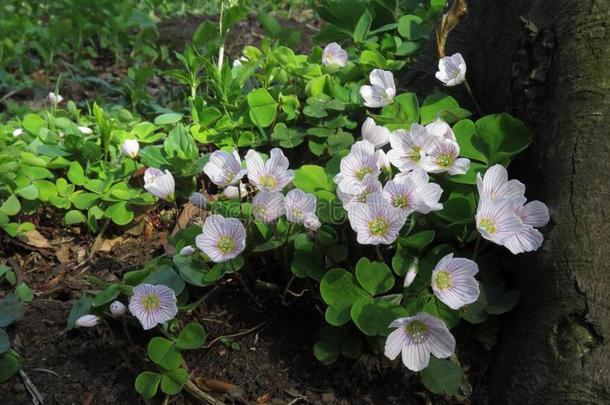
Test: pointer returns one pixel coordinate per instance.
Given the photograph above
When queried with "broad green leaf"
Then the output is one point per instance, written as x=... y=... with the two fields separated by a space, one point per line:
x=191 y=337
x=10 y=363
x=375 y=277
x=76 y=174
x=339 y=290
x=11 y=309
x=109 y=294
x=504 y=135
x=10 y=206
x=147 y=384
x=409 y=26
x=5 y=342
x=24 y=292
x=263 y=108
x=504 y=303
x=471 y=176
x=373 y=316
x=119 y=213
x=167 y=276
x=311 y=178
x=33 y=123
x=80 y=308
x=173 y=381
x=168 y=118
x=418 y=240
x=164 y=353
x=438 y=309
x=28 y=192
x=326 y=352
x=471 y=146
x=73 y=217
x=442 y=376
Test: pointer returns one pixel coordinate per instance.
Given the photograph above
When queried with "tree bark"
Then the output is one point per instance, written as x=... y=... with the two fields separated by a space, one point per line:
x=551 y=69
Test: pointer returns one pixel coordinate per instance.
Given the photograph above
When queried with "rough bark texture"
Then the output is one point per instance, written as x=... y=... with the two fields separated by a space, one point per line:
x=553 y=71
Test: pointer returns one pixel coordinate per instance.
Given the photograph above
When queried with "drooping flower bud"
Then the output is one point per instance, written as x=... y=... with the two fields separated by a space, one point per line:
x=411 y=272
x=17 y=132
x=117 y=308
x=54 y=98
x=187 y=250
x=130 y=147
x=87 y=321
x=312 y=223
x=159 y=183
x=85 y=130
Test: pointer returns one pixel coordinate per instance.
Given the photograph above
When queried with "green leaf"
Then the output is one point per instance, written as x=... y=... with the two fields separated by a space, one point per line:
x=504 y=303
x=84 y=200
x=471 y=146
x=119 y=213
x=418 y=240
x=308 y=261
x=471 y=176
x=147 y=384
x=11 y=309
x=363 y=26
x=74 y=217
x=375 y=277
x=504 y=135
x=409 y=26
x=373 y=316
x=11 y=206
x=173 y=381
x=165 y=275
x=191 y=337
x=441 y=106
x=402 y=113
x=442 y=376
x=33 y=123
x=457 y=211
x=109 y=294
x=164 y=353
x=326 y=352
x=438 y=309
x=311 y=178
x=475 y=312
x=403 y=260
x=24 y=292
x=180 y=144
x=263 y=108
x=339 y=290
x=76 y=174
x=80 y=308
x=10 y=363
x=168 y=118
x=28 y=192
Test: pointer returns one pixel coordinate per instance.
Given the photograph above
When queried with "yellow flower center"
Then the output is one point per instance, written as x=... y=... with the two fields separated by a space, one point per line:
x=442 y=280
x=415 y=153
x=150 y=302
x=378 y=227
x=267 y=181
x=362 y=172
x=487 y=225
x=260 y=210
x=401 y=201
x=444 y=160
x=226 y=244
x=416 y=329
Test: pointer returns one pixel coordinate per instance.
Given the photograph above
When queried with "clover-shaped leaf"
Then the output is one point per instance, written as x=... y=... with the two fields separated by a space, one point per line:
x=375 y=277
x=340 y=290
x=373 y=316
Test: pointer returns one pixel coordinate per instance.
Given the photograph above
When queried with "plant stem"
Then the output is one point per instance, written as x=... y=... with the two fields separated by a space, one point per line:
x=477 y=245
x=474 y=100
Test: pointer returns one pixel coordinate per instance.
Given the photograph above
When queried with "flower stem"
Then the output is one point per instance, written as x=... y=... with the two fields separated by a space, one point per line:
x=472 y=97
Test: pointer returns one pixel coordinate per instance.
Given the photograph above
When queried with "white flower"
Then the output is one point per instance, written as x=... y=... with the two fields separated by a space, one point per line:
x=382 y=90
x=272 y=175
x=496 y=220
x=312 y=223
x=268 y=206
x=224 y=169
x=401 y=193
x=17 y=132
x=233 y=192
x=451 y=70
x=221 y=239
x=159 y=183
x=383 y=161
x=453 y=281
x=533 y=215
x=153 y=304
x=416 y=337
x=441 y=129
x=238 y=62
x=333 y=54
x=299 y=205
x=359 y=164
x=409 y=147
x=378 y=135
x=443 y=156
x=496 y=186
x=85 y=130
x=130 y=147
x=87 y=321
x=427 y=194
x=54 y=98
x=411 y=272
x=117 y=308
x=187 y=250
x=350 y=193
x=198 y=200
x=376 y=221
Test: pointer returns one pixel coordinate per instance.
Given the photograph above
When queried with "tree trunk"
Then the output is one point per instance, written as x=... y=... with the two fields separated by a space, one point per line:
x=552 y=69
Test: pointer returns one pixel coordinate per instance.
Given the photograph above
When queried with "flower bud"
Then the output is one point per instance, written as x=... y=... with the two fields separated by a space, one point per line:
x=17 y=132
x=54 y=98
x=198 y=200
x=383 y=161
x=130 y=147
x=159 y=183
x=312 y=223
x=117 y=308
x=411 y=272
x=85 y=130
x=87 y=321
x=187 y=250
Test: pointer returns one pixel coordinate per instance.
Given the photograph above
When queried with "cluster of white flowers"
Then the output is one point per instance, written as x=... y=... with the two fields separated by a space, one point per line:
x=504 y=216
x=377 y=212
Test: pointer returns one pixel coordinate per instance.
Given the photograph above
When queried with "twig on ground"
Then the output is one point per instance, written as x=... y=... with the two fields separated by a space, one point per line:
x=198 y=393
x=34 y=393
x=238 y=334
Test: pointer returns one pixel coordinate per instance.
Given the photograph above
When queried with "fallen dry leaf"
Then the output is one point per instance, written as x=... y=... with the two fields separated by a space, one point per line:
x=108 y=244
x=35 y=238
x=189 y=211
x=63 y=253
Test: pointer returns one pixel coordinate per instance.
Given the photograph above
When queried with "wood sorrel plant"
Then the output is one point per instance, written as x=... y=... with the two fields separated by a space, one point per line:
x=329 y=172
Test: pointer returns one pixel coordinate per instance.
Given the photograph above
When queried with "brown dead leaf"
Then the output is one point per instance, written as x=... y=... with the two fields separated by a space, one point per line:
x=35 y=238
x=264 y=399
x=189 y=211
x=63 y=253
x=210 y=384
x=54 y=281
x=108 y=244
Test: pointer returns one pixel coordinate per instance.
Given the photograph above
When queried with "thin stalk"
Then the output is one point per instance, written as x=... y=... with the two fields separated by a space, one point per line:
x=472 y=97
